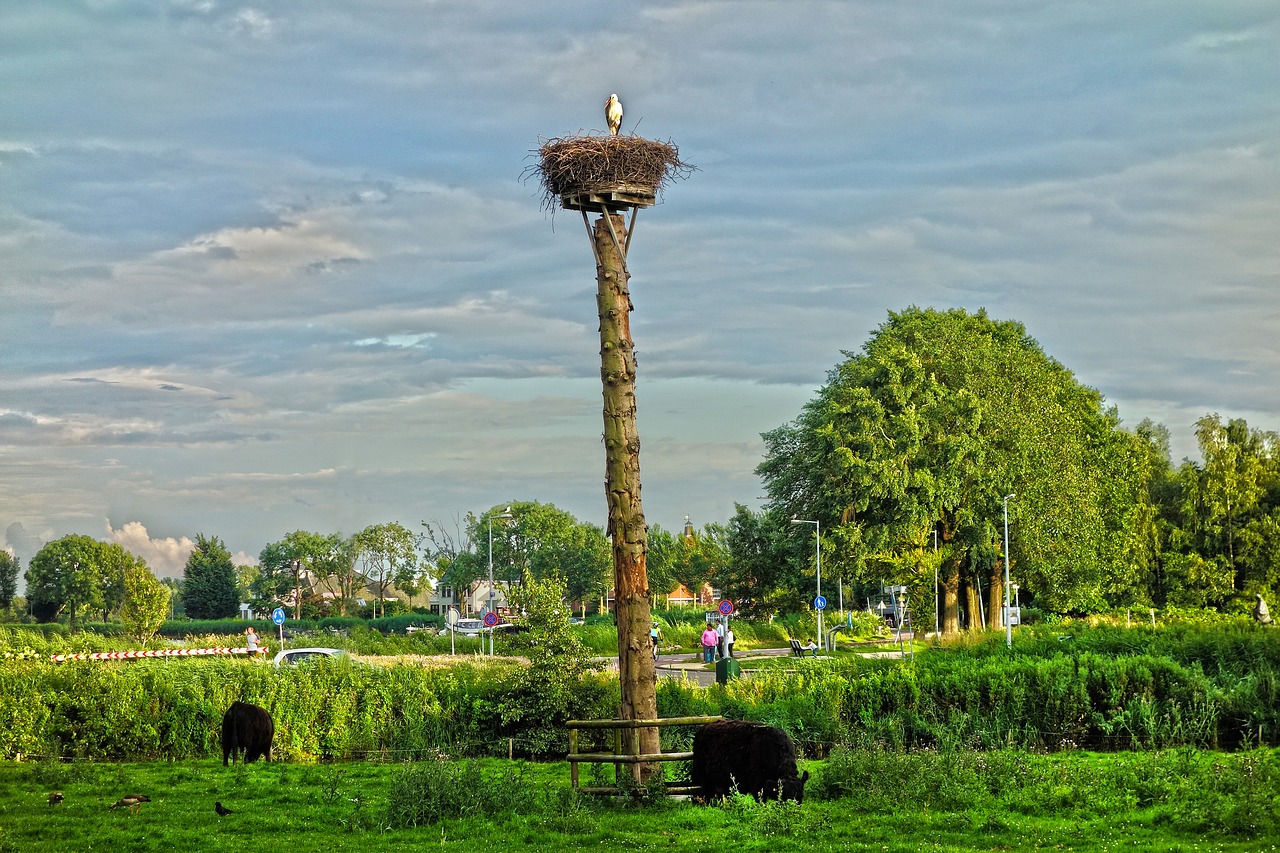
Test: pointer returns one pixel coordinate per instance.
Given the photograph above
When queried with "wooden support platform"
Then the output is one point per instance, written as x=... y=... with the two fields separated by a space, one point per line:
x=614 y=198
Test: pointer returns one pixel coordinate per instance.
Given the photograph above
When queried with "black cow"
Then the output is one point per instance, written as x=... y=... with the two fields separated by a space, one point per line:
x=752 y=758
x=246 y=728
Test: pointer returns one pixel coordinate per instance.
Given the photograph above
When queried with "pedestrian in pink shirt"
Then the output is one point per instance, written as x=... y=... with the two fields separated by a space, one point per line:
x=709 y=640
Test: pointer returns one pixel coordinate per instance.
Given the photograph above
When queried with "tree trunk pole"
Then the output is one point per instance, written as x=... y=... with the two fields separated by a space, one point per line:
x=951 y=597
x=627 y=529
x=995 y=596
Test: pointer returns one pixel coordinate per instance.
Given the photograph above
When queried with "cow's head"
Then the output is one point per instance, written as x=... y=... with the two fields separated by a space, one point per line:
x=793 y=789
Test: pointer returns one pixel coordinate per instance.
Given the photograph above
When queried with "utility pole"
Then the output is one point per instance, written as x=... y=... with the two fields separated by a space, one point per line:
x=609 y=175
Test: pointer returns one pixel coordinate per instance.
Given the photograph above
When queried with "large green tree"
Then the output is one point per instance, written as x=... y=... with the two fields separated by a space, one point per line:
x=289 y=570
x=209 y=581
x=1224 y=539
x=75 y=574
x=539 y=539
x=547 y=541
x=927 y=429
x=388 y=555
x=146 y=603
x=691 y=557
x=8 y=580
x=768 y=570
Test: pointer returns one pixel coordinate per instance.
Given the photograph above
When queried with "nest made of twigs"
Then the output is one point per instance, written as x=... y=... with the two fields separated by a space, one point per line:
x=579 y=165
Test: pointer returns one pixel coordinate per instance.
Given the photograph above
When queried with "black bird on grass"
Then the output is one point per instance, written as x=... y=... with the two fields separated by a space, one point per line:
x=55 y=798
x=131 y=802
x=222 y=810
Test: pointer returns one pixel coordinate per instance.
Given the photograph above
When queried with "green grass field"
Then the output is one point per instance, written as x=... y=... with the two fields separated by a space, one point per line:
x=931 y=802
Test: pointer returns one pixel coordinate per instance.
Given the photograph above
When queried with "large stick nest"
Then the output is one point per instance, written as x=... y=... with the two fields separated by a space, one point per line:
x=577 y=165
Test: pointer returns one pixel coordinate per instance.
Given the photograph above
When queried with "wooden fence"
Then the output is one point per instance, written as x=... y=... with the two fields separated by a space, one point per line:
x=627 y=730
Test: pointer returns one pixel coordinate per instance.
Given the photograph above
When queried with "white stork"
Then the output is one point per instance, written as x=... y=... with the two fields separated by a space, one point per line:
x=613 y=114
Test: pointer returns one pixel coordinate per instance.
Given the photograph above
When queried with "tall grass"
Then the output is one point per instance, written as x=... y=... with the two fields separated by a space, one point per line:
x=1104 y=688
x=173 y=709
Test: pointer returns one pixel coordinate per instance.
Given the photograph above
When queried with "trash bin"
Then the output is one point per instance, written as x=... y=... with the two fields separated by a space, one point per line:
x=727 y=668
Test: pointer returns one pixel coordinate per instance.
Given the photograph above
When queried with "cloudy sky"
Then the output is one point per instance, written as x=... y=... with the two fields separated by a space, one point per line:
x=269 y=265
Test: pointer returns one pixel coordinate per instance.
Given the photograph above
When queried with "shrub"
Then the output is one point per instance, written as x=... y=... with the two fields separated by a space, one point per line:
x=428 y=792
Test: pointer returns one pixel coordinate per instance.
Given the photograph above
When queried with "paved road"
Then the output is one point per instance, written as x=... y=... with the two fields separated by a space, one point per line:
x=690 y=666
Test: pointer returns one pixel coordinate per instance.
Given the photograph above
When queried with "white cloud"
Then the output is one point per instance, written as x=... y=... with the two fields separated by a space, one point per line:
x=167 y=557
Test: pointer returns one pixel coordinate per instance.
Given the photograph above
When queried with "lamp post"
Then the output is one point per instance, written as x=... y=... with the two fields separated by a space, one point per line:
x=817 y=547
x=1008 y=615
x=506 y=513
x=937 y=603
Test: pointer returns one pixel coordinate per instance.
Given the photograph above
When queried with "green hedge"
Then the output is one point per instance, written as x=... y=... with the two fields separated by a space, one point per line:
x=1101 y=689
x=172 y=709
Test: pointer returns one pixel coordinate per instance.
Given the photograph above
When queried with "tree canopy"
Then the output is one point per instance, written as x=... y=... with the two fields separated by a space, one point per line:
x=8 y=579
x=78 y=574
x=939 y=417
x=209 y=581
x=539 y=539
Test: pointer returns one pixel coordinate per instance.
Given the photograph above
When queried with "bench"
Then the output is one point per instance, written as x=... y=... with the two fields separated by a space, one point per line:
x=799 y=650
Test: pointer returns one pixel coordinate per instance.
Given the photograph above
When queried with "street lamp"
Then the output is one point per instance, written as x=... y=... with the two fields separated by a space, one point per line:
x=817 y=546
x=1008 y=615
x=937 y=603
x=506 y=513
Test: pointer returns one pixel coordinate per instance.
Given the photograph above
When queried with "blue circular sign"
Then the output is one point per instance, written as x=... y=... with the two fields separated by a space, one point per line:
x=277 y=616
x=820 y=603
x=490 y=619
x=726 y=607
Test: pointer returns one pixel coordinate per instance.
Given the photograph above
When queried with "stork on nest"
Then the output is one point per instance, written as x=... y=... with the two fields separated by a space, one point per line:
x=574 y=166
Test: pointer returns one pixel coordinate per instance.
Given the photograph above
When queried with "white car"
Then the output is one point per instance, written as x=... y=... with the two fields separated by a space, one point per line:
x=466 y=627
x=288 y=657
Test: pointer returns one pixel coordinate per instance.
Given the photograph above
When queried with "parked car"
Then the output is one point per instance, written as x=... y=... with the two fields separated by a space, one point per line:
x=466 y=627
x=289 y=657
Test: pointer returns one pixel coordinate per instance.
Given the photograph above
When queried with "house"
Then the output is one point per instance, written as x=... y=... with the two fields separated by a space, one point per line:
x=681 y=597
x=470 y=599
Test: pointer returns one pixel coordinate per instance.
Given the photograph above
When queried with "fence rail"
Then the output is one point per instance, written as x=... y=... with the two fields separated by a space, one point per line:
x=156 y=653
x=621 y=758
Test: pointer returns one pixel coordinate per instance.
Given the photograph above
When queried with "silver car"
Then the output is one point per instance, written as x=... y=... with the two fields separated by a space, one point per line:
x=466 y=627
x=288 y=657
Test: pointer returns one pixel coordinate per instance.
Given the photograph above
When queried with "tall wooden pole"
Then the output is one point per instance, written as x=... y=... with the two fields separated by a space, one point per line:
x=627 y=529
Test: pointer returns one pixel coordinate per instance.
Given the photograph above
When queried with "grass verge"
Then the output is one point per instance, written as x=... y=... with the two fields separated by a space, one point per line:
x=1181 y=800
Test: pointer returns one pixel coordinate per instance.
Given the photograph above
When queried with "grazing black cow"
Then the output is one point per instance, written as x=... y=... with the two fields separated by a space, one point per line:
x=246 y=728
x=752 y=758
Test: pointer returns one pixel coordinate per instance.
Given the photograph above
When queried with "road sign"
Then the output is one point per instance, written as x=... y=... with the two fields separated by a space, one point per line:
x=451 y=617
x=820 y=603
x=726 y=607
x=490 y=619
x=277 y=616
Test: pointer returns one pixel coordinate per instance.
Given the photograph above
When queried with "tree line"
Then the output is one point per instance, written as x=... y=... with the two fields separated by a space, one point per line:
x=904 y=462
x=910 y=453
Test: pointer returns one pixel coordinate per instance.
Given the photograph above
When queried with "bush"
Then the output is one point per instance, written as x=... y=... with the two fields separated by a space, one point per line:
x=428 y=792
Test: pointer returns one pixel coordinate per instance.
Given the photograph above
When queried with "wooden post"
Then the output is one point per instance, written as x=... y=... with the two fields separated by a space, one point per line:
x=627 y=530
x=573 y=750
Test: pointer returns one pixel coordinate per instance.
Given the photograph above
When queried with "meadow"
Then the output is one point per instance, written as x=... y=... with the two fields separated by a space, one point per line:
x=1085 y=736
x=1180 y=800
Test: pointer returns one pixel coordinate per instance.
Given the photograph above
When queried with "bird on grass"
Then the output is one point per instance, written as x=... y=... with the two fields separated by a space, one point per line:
x=613 y=114
x=55 y=798
x=222 y=810
x=131 y=802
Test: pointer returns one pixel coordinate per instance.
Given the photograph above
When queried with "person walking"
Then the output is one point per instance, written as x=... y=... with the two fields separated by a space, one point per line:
x=1260 y=611
x=709 y=640
x=720 y=648
x=728 y=641
x=251 y=640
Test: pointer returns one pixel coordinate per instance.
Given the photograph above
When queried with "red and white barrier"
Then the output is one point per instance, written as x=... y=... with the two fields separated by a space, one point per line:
x=156 y=653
